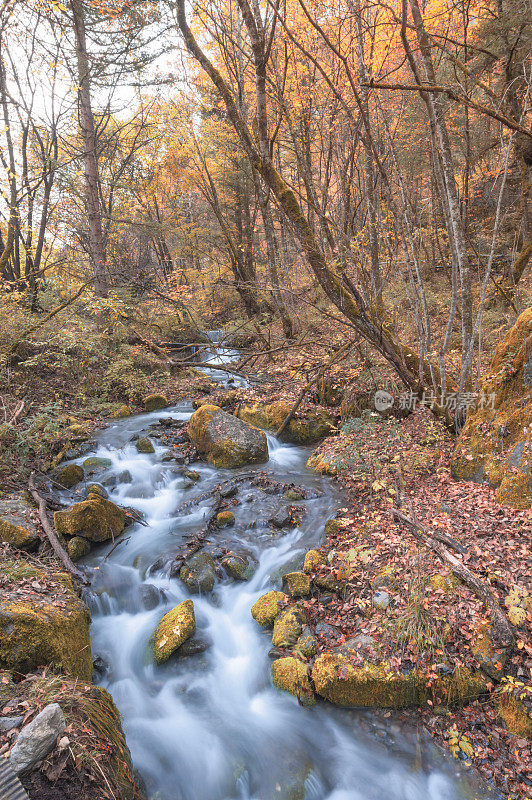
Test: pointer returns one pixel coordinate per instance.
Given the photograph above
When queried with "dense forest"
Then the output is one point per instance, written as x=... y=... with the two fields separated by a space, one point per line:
x=266 y=399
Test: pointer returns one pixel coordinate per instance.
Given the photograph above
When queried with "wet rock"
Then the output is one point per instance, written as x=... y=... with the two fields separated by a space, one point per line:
x=199 y=573
x=282 y=518
x=307 y=427
x=325 y=579
x=225 y=519
x=95 y=463
x=144 y=445
x=192 y=647
x=381 y=600
x=175 y=627
x=288 y=626
x=16 y=528
x=192 y=475
x=229 y=491
x=224 y=440
x=296 y=584
x=70 y=475
x=294 y=495
x=123 y=411
x=241 y=566
x=307 y=644
x=291 y=675
x=78 y=547
x=266 y=608
x=155 y=402
x=96 y=488
x=37 y=739
x=95 y=519
x=149 y=596
x=313 y=559
x=100 y=666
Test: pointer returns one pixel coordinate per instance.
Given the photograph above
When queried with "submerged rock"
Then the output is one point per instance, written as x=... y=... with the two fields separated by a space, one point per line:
x=175 y=627
x=155 y=402
x=37 y=739
x=96 y=519
x=241 y=566
x=199 y=573
x=266 y=608
x=292 y=676
x=226 y=441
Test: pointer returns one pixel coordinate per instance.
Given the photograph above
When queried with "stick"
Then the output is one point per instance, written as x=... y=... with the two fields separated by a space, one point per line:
x=502 y=631
x=52 y=536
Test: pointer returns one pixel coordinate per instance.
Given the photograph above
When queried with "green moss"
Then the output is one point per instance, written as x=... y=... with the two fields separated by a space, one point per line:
x=94 y=463
x=175 y=627
x=155 y=402
x=123 y=411
x=224 y=519
x=96 y=519
x=296 y=584
x=78 y=548
x=18 y=537
x=291 y=675
x=70 y=475
x=288 y=626
x=313 y=559
x=266 y=608
x=144 y=445
x=515 y=715
x=306 y=428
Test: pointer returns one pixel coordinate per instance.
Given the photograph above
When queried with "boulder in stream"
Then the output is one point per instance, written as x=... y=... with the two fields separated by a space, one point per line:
x=292 y=675
x=288 y=626
x=267 y=608
x=226 y=441
x=306 y=427
x=69 y=475
x=240 y=566
x=199 y=573
x=144 y=445
x=95 y=519
x=155 y=402
x=175 y=627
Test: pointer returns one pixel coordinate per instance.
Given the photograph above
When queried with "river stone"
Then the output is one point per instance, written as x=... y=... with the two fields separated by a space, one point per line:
x=70 y=475
x=226 y=441
x=8 y=723
x=313 y=559
x=96 y=488
x=95 y=462
x=96 y=519
x=175 y=627
x=144 y=445
x=78 y=547
x=192 y=647
x=288 y=626
x=266 y=608
x=292 y=676
x=199 y=573
x=241 y=566
x=296 y=584
x=282 y=517
x=225 y=519
x=149 y=595
x=37 y=739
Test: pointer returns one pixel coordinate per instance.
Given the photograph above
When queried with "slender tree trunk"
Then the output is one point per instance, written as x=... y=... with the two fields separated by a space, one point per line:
x=90 y=154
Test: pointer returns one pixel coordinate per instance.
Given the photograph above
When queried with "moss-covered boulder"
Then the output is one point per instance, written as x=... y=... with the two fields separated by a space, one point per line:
x=266 y=608
x=48 y=629
x=225 y=519
x=240 y=566
x=95 y=463
x=490 y=657
x=313 y=559
x=288 y=626
x=120 y=413
x=199 y=573
x=144 y=445
x=296 y=584
x=307 y=427
x=380 y=686
x=16 y=527
x=95 y=519
x=175 y=627
x=78 y=547
x=226 y=441
x=307 y=644
x=495 y=444
x=515 y=715
x=70 y=475
x=292 y=675
x=155 y=402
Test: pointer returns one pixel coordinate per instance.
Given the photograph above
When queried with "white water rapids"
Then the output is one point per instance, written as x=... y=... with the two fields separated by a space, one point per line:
x=210 y=726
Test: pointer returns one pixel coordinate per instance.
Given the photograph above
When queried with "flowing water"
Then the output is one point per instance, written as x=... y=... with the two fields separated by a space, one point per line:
x=210 y=726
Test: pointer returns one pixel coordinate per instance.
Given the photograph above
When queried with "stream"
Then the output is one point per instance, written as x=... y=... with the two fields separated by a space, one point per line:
x=210 y=726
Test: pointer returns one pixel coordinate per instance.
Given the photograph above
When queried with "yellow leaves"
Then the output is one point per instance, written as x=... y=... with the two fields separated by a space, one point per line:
x=459 y=742
x=377 y=486
x=516 y=615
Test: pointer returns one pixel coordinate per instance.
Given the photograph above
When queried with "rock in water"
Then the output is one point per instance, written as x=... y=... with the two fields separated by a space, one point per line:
x=226 y=441
x=70 y=475
x=296 y=584
x=176 y=627
x=199 y=573
x=292 y=676
x=240 y=566
x=37 y=739
x=155 y=402
x=96 y=519
x=267 y=608
x=288 y=626
x=144 y=445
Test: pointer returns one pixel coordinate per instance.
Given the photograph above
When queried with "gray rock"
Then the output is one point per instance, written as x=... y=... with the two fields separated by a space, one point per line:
x=282 y=518
x=125 y=477
x=150 y=596
x=8 y=723
x=37 y=739
x=240 y=566
x=381 y=600
x=226 y=441
x=199 y=573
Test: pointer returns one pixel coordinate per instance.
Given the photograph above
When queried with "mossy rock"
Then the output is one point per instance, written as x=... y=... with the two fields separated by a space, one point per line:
x=490 y=657
x=292 y=675
x=307 y=644
x=199 y=573
x=225 y=519
x=306 y=428
x=268 y=607
x=78 y=547
x=175 y=627
x=380 y=686
x=288 y=626
x=96 y=489
x=494 y=444
x=120 y=413
x=155 y=402
x=515 y=715
x=95 y=463
x=78 y=431
x=70 y=475
x=240 y=566
x=296 y=584
x=313 y=559
x=144 y=445
x=16 y=527
x=226 y=441
x=50 y=630
x=95 y=519
x=447 y=583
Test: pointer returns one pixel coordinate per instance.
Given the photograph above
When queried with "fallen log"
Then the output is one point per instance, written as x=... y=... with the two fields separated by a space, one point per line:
x=502 y=631
x=52 y=536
